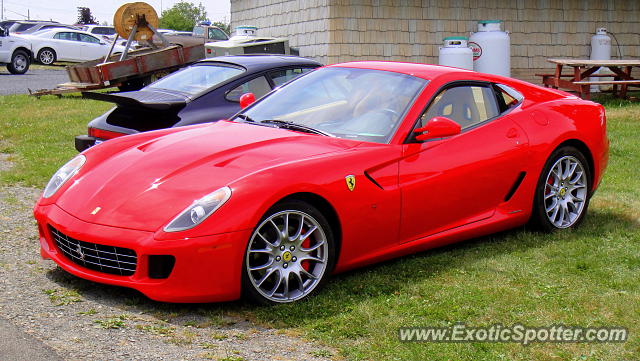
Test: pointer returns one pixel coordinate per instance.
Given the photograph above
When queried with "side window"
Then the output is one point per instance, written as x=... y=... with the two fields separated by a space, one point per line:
x=65 y=36
x=217 y=34
x=88 y=39
x=258 y=86
x=280 y=77
x=467 y=105
x=105 y=31
x=507 y=97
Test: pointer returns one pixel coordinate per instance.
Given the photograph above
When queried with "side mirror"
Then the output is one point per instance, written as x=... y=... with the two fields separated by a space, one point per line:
x=3 y=32
x=437 y=127
x=247 y=99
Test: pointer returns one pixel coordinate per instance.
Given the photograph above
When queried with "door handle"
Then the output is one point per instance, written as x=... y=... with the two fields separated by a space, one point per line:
x=512 y=133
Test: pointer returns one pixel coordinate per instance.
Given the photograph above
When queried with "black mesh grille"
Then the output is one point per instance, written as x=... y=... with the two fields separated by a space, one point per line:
x=97 y=257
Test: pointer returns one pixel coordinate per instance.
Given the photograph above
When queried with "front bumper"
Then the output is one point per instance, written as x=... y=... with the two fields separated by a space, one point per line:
x=207 y=269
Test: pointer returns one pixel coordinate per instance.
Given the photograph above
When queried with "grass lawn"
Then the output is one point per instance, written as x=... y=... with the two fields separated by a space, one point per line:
x=39 y=133
x=585 y=277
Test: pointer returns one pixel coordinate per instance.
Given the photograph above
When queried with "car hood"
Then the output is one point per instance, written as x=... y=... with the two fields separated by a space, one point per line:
x=145 y=186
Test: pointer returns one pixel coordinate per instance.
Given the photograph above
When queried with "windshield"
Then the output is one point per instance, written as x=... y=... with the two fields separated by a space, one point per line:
x=198 y=31
x=350 y=103
x=196 y=79
x=19 y=27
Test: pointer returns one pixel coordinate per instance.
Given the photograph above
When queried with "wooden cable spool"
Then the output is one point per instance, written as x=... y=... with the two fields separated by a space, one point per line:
x=131 y=14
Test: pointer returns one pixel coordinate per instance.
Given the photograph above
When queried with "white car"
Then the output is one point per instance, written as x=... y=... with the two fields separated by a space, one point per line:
x=99 y=29
x=60 y=44
x=15 y=52
x=104 y=31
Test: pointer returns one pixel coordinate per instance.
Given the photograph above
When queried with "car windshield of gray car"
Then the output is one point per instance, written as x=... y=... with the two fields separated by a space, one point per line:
x=197 y=79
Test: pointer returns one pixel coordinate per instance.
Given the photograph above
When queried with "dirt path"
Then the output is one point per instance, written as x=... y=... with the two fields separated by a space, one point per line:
x=81 y=320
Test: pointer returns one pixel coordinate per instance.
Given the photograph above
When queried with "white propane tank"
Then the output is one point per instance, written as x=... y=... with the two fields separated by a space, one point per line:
x=491 y=48
x=456 y=53
x=600 y=50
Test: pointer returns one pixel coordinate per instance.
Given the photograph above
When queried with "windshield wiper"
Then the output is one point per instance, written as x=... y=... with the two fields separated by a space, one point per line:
x=246 y=118
x=295 y=126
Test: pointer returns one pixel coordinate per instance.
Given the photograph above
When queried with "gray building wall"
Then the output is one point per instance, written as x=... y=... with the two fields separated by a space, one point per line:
x=304 y=23
x=334 y=31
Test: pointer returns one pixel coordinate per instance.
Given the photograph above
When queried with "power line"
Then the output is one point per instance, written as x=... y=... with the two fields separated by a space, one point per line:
x=24 y=16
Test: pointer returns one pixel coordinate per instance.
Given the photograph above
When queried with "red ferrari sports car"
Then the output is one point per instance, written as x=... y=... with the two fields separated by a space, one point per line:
x=352 y=164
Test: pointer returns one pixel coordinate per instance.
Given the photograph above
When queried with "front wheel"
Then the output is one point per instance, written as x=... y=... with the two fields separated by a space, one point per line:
x=290 y=254
x=46 y=56
x=20 y=62
x=562 y=194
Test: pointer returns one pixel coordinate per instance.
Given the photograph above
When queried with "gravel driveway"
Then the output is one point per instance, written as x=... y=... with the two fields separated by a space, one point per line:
x=81 y=320
x=34 y=79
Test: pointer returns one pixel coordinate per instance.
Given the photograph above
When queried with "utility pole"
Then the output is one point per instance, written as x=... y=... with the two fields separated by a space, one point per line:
x=1 y=9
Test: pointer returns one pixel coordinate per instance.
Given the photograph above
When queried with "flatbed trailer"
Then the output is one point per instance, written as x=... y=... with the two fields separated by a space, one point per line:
x=138 y=69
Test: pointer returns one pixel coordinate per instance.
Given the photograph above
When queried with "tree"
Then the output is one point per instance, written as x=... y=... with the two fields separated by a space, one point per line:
x=85 y=17
x=182 y=16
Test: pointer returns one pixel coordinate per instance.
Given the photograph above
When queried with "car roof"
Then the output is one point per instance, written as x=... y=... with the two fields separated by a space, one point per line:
x=424 y=71
x=259 y=62
x=40 y=23
x=63 y=30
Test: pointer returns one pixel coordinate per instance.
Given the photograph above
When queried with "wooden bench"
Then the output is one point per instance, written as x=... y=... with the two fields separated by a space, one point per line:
x=571 y=76
x=598 y=82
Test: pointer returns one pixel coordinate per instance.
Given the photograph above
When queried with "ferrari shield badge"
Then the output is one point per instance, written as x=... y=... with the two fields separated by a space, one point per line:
x=351 y=182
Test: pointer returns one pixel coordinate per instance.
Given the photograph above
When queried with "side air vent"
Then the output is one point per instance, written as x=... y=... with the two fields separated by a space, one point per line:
x=515 y=186
x=369 y=177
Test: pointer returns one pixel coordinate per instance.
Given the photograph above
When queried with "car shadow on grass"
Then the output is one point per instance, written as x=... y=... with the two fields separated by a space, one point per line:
x=346 y=290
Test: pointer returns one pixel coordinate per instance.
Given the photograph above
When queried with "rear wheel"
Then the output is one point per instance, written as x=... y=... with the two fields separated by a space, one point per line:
x=290 y=254
x=47 y=56
x=562 y=193
x=20 y=62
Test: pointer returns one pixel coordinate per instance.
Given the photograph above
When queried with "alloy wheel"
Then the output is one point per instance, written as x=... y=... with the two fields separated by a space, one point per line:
x=565 y=192
x=287 y=256
x=46 y=57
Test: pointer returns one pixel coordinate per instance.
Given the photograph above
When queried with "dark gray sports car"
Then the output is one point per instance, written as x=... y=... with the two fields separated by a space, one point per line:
x=206 y=91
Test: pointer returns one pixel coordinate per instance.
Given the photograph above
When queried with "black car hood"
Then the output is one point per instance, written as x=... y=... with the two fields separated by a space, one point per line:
x=146 y=98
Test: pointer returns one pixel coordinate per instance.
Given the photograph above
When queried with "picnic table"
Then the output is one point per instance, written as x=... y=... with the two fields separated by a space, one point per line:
x=583 y=69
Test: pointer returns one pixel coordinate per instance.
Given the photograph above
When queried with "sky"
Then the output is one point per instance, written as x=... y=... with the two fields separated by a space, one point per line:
x=65 y=11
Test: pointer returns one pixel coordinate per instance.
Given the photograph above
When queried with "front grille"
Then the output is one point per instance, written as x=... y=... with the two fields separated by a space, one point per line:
x=97 y=257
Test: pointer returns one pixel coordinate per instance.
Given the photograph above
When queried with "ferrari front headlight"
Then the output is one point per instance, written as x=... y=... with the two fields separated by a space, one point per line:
x=199 y=210
x=63 y=175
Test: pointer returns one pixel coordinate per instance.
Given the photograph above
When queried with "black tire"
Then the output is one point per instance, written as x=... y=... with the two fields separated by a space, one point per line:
x=553 y=196
x=47 y=56
x=284 y=259
x=20 y=62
